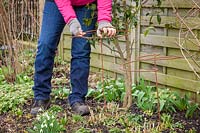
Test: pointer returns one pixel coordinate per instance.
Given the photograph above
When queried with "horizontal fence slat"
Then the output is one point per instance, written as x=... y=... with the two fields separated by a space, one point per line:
x=177 y=3
x=96 y=62
x=171 y=22
x=181 y=83
x=166 y=41
x=97 y=48
x=107 y=66
x=173 y=63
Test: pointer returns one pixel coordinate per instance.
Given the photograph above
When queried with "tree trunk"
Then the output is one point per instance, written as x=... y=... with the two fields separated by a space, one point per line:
x=2 y=19
x=127 y=67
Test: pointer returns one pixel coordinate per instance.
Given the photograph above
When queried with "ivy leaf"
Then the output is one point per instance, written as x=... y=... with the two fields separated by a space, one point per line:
x=146 y=32
x=147 y=14
x=159 y=18
x=159 y=2
x=93 y=7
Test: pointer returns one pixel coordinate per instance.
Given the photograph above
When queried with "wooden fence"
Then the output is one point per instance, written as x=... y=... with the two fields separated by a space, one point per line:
x=174 y=74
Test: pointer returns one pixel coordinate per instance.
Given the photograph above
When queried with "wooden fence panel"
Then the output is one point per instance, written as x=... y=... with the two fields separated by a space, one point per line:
x=164 y=40
x=174 y=74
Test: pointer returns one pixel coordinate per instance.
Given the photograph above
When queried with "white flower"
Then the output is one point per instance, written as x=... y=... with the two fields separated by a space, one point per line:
x=42 y=126
x=40 y=110
x=45 y=125
x=48 y=118
x=41 y=131
x=44 y=122
x=38 y=118
x=45 y=114
x=51 y=124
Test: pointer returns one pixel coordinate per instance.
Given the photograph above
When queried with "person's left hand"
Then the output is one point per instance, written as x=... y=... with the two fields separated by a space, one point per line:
x=75 y=28
x=105 y=28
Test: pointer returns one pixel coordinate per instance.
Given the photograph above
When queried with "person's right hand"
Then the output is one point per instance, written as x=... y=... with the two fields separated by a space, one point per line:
x=105 y=28
x=75 y=27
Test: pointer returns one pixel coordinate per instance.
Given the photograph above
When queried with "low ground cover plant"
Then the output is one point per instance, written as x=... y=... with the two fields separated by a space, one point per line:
x=13 y=96
x=140 y=118
x=144 y=96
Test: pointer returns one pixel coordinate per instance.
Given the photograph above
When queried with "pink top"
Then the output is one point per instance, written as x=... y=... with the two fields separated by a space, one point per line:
x=66 y=8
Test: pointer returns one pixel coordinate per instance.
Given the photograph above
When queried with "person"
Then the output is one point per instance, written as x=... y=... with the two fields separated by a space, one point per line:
x=57 y=14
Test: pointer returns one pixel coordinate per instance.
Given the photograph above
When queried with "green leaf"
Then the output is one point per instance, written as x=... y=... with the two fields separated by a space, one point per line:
x=93 y=7
x=162 y=104
x=146 y=32
x=159 y=18
x=190 y=111
x=140 y=96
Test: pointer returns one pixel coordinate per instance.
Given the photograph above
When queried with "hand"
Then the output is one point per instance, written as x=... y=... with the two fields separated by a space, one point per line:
x=75 y=28
x=105 y=28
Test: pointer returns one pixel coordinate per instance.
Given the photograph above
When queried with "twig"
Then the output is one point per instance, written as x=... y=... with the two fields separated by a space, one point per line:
x=190 y=65
x=182 y=21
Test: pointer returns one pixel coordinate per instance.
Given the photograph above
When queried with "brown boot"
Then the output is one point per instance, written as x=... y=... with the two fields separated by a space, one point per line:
x=40 y=105
x=80 y=108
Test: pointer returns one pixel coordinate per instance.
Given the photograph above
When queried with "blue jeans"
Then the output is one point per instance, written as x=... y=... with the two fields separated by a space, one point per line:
x=52 y=27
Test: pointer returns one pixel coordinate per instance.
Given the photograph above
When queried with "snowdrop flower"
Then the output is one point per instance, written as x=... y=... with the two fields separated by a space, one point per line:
x=46 y=115
x=40 y=110
x=51 y=124
x=48 y=118
x=41 y=131
x=44 y=121
x=38 y=118
x=42 y=126
x=45 y=125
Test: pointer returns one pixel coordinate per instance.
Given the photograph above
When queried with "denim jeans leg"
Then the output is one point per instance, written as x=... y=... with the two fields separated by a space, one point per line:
x=52 y=27
x=80 y=62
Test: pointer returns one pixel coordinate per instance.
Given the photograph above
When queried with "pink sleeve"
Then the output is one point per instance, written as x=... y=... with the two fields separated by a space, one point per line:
x=104 y=10
x=66 y=9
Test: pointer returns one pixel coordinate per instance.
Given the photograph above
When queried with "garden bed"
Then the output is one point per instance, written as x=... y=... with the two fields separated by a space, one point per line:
x=141 y=117
x=177 y=123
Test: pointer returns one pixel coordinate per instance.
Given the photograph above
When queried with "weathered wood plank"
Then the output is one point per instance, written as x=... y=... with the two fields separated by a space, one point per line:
x=96 y=62
x=181 y=73
x=172 y=22
x=181 y=83
x=107 y=66
x=97 y=49
x=177 y=3
x=166 y=41
x=106 y=51
x=174 y=63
